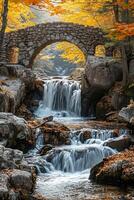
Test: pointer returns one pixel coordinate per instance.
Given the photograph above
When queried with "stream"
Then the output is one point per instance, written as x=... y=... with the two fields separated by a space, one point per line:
x=63 y=173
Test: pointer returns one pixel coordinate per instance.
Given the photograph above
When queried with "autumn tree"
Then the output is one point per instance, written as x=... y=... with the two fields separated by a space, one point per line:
x=116 y=17
x=123 y=31
x=3 y=22
x=17 y=14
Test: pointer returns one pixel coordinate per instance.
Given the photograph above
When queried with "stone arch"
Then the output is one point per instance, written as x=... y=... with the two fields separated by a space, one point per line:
x=49 y=42
x=32 y=39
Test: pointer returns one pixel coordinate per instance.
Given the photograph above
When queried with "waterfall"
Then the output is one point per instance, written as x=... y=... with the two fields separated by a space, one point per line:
x=78 y=156
x=62 y=98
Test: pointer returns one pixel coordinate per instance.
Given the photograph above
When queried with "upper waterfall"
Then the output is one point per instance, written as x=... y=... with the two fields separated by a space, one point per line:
x=62 y=98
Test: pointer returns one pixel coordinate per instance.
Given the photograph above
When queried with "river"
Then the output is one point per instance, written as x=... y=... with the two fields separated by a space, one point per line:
x=63 y=174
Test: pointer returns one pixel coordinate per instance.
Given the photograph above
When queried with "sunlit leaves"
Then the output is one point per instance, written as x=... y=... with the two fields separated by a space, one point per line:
x=20 y=14
x=71 y=52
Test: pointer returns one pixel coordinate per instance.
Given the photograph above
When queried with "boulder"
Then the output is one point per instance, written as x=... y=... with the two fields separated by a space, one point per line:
x=17 y=81
x=16 y=184
x=115 y=170
x=24 y=112
x=17 y=177
x=21 y=179
x=113 y=101
x=121 y=143
x=12 y=93
x=54 y=133
x=89 y=98
x=127 y=114
x=100 y=75
x=4 y=194
x=13 y=130
x=85 y=135
x=10 y=158
x=18 y=71
x=103 y=72
x=104 y=106
x=45 y=149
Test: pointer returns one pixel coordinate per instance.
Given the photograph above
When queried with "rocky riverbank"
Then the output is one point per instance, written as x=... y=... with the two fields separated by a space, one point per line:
x=115 y=170
x=17 y=177
x=21 y=93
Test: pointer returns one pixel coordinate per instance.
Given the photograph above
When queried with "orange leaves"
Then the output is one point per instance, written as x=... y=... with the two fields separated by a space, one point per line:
x=20 y=14
x=125 y=5
x=124 y=30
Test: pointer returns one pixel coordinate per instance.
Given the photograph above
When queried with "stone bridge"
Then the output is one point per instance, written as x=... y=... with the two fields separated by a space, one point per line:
x=32 y=40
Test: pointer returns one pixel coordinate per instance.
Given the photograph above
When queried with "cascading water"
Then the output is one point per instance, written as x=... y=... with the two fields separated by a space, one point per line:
x=62 y=98
x=78 y=156
x=64 y=171
x=68 y=166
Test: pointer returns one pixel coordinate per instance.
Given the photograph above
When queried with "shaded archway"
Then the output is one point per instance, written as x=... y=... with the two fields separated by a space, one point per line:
x=58 y=59
x=71 y=40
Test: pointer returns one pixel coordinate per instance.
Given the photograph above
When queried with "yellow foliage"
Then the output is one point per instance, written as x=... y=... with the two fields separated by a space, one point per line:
x=84 y=12
x=71 y=52
x=19 y=15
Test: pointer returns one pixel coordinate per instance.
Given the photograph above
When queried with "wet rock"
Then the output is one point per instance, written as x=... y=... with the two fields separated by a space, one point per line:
x=13 y=130
x=44 y=150
x=100 y=76
x=16 y=184
x=54 y=132
x=85 y=135
x=119 y=143
x=104 y=106
x=127 y=114
x=112 y=102
x=103 y=71
x=16 y=180
x=115 y=133
x=10 y=158
x=115 y=170
x=12 y=94
x=89 y=99
x=4 y=186
x=24 y=112
x=38 y=196
x=112 y=116
x=21 y=179
x=17 y=82
x=18 y=156
x=132 y=121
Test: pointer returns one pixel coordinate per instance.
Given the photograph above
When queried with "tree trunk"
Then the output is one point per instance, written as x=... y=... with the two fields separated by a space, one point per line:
x=124 y=66
x=116 y=10
x=4 y=23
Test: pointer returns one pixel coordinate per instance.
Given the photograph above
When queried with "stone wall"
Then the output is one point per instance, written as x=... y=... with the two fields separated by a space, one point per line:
x=33 y=39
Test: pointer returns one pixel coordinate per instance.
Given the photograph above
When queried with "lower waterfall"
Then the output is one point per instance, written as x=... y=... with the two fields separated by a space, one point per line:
x=64 y=170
